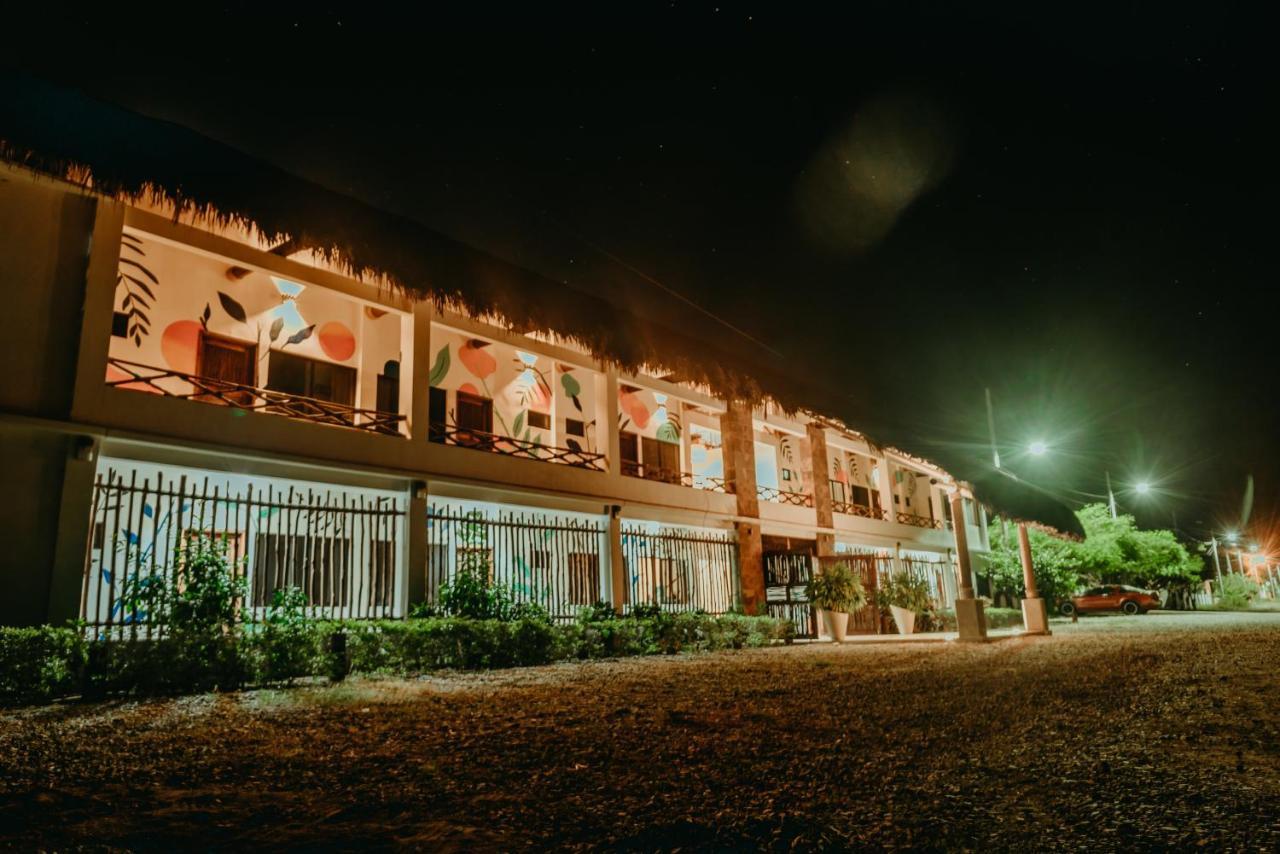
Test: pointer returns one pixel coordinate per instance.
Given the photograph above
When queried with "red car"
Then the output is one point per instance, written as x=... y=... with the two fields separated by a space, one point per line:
x=1111 y=597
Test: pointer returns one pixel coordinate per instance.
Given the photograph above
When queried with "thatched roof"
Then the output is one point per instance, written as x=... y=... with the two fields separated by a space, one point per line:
x=123 y=155
x=1019 y=501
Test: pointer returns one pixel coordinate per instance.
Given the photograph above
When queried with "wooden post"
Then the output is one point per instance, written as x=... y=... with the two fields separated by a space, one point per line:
x=1035 y=616
x=737 y=428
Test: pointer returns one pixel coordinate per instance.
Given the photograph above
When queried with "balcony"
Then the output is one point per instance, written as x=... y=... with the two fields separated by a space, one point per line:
x=782 y=496
x=919 y=521
x=862 y=510
x=170 y=383
x=481 y=440
x=676 y=478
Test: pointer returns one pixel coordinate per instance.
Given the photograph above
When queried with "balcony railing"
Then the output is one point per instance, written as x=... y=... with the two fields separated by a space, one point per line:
x=782 y=496
x=919 y=521
x=858 y=510
x=508 y=447
x=681 y=478
x=247 y=398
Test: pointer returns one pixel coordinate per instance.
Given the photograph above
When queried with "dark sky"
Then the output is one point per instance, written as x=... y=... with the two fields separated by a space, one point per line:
x=913 y=203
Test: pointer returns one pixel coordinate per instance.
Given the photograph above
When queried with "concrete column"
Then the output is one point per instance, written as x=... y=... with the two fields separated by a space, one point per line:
x=737 y=427
x=608 y=410
x=416 y=538
x=970 y=618
x=822 y=503
x=885 y=486
x=618 y=581
x=419 y=373
x=75 y=527
x=1035 y=617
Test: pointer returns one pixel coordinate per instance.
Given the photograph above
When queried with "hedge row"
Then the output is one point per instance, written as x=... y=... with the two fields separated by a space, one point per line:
x=42 y=663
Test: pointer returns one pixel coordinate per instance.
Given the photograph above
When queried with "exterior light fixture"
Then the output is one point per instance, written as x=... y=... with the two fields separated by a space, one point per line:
x=1142 y=488
x=1038 y=448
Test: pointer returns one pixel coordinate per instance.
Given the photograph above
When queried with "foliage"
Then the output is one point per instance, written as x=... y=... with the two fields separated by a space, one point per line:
x=836 y=588
x=285 y=643
x=1236 y=591
x=944 y=619
x=46 y=662
x=470 y=594
x=905 y=590
x=1115 y=551
x=39 y=663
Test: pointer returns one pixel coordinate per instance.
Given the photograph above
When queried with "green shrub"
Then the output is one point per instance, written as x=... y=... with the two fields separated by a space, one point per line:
x=836 y=588
x=287 y=643
x=904 y=590
x=944 y=619
x=1236 y=592
x=39 y=663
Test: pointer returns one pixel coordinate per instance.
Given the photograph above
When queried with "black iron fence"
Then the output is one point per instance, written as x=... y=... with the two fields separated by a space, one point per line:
x=555 y=562
x=342 y=550
x=171 y=383
x=782 y=496
x=523 y=448
x=680 y=569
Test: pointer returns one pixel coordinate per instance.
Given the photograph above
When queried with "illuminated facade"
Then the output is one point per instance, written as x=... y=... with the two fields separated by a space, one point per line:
x=172 y=378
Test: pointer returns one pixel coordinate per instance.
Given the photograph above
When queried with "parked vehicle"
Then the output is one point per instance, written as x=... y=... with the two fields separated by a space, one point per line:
x=1111 y=597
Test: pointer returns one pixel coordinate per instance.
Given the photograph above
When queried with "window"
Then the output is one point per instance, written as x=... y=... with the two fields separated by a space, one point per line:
x=629 y=448
x=584 y=578
x=321 y=571
x=663 y=580
x=119 y=325
x=297 y=375
x=437 y=406
x=475 y=413
x=389 y=388
x=661 y=460
x=837 y=492
x=861 y=495
x=539 y=420
x=575 y=427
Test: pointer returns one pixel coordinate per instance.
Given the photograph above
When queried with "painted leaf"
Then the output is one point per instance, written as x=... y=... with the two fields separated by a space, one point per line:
x=148 y=510
x=231 y=307
x=518 y=424
x=441 y=367
x=571 y=386
x=668 y=432
x=572 y=443
x=277 y=326
x=577 y=404
x=301 y=335
x=204 y=317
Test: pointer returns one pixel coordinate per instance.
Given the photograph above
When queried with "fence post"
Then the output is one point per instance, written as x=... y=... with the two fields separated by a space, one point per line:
x=415 y=521
x=617 y=562
x=75 y=528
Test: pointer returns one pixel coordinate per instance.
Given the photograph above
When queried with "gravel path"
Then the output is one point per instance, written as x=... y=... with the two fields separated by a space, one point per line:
x=1117 y=733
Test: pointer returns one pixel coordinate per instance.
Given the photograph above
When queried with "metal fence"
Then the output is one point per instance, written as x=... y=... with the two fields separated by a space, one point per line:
x=341 y=549
x=550 y=560
x=680 y=569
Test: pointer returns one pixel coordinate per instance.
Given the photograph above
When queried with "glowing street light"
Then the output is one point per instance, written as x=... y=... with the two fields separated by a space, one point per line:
x=1038 y=448
x=1142 y=487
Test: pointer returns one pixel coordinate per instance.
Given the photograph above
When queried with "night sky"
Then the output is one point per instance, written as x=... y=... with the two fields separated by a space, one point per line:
x=1072 y=209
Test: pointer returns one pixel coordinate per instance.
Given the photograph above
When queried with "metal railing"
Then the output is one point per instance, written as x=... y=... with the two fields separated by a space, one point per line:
x=919 y=521
x=147 y=378
x=782 y=496
x=341 y=550
x=850 y=509
x=522 y=448
x=679 y=569
x=684 y=478
x=548 y=560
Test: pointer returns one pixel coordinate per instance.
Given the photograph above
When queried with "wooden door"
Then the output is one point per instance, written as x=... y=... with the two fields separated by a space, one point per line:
x=227 y=363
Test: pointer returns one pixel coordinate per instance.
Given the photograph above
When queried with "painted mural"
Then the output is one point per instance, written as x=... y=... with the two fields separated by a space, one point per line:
x=535 y=398
x=782 y=461
x=649 y=413
x=706 y=454
x=169 y=296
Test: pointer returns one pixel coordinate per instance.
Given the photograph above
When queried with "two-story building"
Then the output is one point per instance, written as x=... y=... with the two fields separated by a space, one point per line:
x=191 y=351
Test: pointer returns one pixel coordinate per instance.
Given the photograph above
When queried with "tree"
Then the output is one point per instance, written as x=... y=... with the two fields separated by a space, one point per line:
x=1115 y=551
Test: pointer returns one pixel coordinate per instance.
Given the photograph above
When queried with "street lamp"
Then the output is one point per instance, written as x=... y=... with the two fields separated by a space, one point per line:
x=1142 y=488
x=1038 y=448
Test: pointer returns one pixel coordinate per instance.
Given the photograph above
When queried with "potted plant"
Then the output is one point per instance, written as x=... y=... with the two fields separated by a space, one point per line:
x=836 y=591
x=904 y=596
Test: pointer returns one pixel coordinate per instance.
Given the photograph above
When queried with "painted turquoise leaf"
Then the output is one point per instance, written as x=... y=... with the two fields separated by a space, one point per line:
x=518 y=424
x=571 y=386
x=668 y=432
x=440 y=368
x=148 y=510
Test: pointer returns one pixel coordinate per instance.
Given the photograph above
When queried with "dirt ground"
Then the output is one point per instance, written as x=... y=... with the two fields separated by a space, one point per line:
x=1134 y=733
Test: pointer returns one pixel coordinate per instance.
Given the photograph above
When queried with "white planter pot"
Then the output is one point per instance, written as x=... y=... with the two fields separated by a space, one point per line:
x=837 y=625
x=904 y=619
